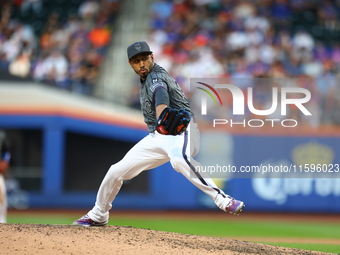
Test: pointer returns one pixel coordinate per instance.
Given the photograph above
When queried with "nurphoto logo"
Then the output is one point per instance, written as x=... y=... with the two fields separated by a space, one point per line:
x=272 y=104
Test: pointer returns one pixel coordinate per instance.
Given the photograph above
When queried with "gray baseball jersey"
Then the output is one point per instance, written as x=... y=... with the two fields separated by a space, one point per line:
x=157 y=80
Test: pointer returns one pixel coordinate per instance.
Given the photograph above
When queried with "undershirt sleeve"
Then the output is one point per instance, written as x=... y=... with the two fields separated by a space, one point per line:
x=161 y=96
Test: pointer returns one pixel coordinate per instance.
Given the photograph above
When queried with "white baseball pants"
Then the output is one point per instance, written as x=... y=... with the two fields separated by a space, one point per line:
x=150 y=152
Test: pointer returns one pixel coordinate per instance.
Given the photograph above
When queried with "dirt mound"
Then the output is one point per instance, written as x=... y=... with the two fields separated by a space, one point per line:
x=19 y=239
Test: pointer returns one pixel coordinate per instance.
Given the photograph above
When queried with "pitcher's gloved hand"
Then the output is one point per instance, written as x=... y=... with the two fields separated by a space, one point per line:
x=173 y=121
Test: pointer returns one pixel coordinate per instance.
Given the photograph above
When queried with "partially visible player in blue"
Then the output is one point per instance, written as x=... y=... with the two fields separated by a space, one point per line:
x=5 y=157
x=158 y=90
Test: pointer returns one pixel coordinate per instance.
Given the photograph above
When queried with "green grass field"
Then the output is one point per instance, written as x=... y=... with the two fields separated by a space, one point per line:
x=240 y=230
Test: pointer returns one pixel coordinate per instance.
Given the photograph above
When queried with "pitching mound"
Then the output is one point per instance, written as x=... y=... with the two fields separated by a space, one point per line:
x=38 y=239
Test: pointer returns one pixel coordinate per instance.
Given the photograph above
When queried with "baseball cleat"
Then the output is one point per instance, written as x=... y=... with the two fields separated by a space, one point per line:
x=86 y=221
x=235 y=207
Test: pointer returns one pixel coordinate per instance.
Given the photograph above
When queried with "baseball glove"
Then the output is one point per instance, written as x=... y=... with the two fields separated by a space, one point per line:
x=173 y=121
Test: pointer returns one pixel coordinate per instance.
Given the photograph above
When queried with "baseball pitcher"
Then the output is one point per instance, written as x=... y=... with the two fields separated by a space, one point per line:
x=170 y=123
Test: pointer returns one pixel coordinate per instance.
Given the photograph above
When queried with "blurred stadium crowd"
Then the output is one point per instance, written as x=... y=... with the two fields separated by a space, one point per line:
x=58 y=42
x=276 y=38
x=63 y=42
x=254 y=39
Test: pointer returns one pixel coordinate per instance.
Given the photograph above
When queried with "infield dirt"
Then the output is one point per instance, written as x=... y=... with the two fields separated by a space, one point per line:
x=41 y=239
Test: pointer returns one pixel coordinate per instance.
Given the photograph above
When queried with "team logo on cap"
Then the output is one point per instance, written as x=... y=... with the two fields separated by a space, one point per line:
x=138 y=47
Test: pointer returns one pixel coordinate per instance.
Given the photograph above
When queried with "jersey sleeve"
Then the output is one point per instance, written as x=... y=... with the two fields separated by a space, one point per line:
x=161 y=97
x=160 y=92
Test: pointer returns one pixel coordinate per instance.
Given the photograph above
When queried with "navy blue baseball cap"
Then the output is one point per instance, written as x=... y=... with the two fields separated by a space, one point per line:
x=137 y=48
